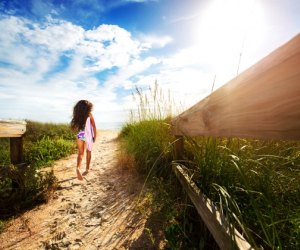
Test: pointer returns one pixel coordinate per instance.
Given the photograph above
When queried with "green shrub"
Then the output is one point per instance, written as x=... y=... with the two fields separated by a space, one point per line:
x=46 y=150
x=22 y=187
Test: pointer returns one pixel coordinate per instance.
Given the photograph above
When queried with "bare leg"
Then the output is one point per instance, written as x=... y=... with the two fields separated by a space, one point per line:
x=88 y=159
x=80 y=147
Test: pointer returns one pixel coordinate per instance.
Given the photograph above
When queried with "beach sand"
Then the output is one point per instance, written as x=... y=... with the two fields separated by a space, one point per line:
x=96 y=213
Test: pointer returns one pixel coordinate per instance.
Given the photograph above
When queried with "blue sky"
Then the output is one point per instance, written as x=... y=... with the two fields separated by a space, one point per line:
x=56 y=52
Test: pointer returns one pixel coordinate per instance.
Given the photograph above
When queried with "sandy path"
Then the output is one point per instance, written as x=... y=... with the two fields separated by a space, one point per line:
x=96 y=213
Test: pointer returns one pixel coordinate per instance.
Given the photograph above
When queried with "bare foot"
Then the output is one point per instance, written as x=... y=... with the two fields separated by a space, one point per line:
x=85 y=172
x=79 y=176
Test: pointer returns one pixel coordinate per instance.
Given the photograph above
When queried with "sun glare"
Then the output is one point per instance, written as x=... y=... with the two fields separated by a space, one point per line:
x=223 y=31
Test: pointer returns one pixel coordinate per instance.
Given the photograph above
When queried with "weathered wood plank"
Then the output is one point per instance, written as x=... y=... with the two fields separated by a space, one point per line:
x=262 y=102
x=210 y=215
x=12 y=128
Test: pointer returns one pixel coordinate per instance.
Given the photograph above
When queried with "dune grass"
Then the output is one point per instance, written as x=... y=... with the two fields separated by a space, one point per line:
x=153 y=156
x=147 y=138
x=254 y=182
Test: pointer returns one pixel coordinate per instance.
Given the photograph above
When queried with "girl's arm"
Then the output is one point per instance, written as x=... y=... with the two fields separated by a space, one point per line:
x=94 y=126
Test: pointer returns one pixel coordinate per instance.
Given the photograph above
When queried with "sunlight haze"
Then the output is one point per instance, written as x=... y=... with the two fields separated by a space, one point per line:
x=54 y=53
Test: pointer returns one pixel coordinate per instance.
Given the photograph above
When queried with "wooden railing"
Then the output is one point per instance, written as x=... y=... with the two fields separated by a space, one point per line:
x=14 y=130
x=262 y=102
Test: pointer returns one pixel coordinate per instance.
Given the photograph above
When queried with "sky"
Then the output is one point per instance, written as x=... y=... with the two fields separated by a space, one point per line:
x=54 y=53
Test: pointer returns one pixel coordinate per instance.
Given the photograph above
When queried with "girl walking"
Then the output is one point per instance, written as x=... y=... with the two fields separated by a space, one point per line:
x=84 y=125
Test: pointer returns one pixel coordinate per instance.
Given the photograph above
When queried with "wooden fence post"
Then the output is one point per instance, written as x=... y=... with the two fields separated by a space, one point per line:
x=14 y=130
x=179 y=147
x=16 y=150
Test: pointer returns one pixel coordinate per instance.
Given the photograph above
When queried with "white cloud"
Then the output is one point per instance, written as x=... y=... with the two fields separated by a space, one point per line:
x=107 y=33
x=56 y=36
x=11 y=29
x=154 y=41
x=53 y=64
x=6 y=96
x=135 y=68
x=47 y=67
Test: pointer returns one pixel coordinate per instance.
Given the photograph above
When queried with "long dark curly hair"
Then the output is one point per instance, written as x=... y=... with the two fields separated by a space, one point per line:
x=81 y=111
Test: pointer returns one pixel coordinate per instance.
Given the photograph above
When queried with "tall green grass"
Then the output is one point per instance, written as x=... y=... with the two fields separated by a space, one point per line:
x=148 y=139
x=152 y=104
x=149 y=143
x=254 y=182
x=261 y=177
x=146 y=136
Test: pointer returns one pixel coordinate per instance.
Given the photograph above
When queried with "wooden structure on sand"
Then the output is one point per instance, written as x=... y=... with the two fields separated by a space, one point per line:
x=14 y=130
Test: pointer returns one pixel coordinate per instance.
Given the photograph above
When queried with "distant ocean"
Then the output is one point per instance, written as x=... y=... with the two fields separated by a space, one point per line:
x=110 y=125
